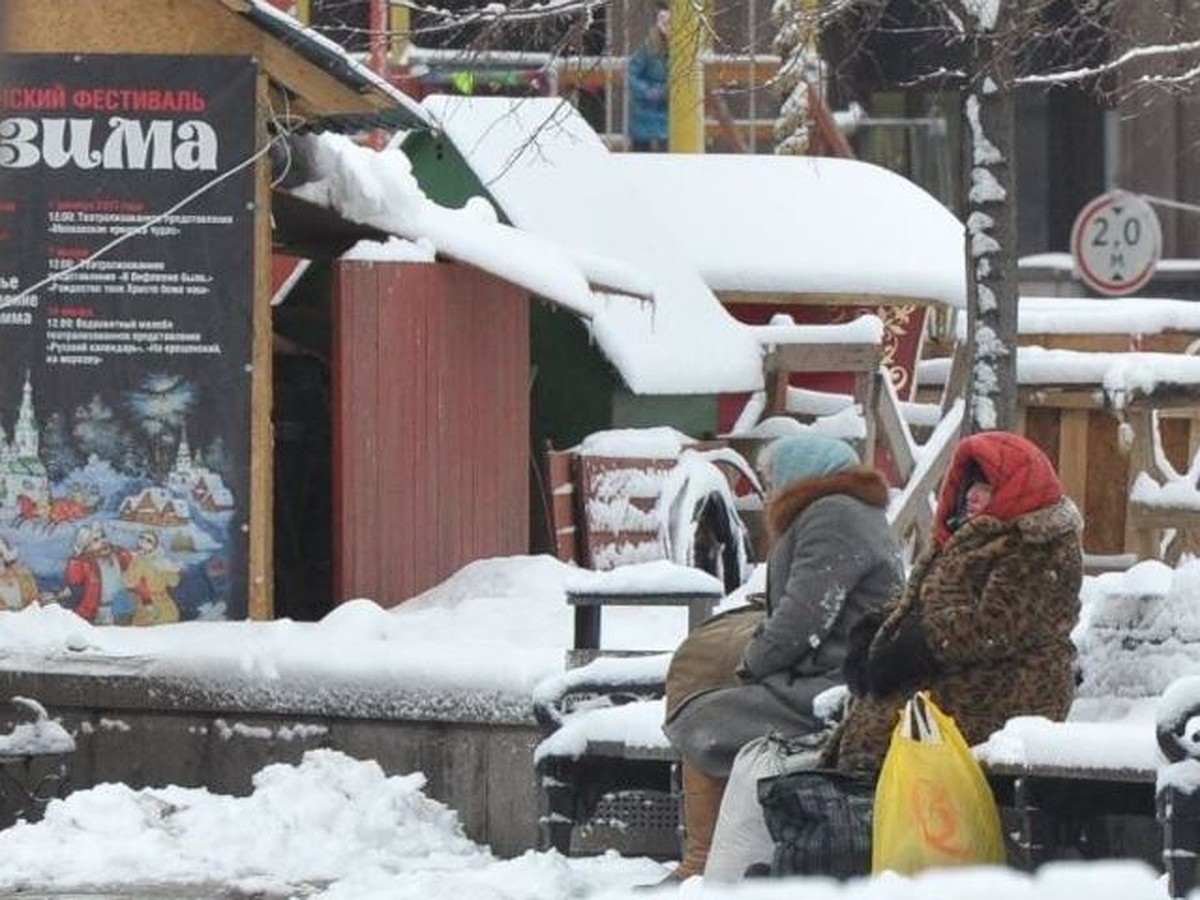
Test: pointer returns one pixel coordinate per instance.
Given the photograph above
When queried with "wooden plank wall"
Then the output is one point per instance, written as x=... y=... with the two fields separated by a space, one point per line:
x=431 y=425
x=1086 y=448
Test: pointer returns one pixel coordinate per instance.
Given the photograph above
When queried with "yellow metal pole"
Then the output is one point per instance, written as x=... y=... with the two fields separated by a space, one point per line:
x=399 y=23
x=685 y=78
x=304 y=11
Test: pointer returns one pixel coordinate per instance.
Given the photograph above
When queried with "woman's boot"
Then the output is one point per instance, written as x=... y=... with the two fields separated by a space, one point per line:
x=701 y=803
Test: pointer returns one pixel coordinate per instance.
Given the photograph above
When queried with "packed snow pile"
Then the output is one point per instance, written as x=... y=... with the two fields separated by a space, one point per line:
x=315 y=823
x=42 y=735
x=1139 y=630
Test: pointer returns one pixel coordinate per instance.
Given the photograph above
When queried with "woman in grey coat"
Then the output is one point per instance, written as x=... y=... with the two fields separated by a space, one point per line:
x=832 y=560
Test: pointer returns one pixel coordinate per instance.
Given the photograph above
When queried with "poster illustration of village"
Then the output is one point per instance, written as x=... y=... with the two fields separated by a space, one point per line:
x=126 y=285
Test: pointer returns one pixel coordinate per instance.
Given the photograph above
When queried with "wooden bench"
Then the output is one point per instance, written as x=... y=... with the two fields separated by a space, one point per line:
x=1057 y=801
x=603 y=792
x=612 y=792
x=1060 y=807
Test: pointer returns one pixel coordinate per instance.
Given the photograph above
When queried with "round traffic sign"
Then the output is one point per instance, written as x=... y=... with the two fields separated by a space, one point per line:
x=1116 y=243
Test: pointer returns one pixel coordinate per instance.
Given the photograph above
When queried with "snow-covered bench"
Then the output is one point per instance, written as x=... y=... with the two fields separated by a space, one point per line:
x=34 y=764
x=1060 y=781
x=606 y=768
x=1125 y=750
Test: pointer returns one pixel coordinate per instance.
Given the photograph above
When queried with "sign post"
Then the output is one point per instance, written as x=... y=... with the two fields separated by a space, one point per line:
x=1116 y=243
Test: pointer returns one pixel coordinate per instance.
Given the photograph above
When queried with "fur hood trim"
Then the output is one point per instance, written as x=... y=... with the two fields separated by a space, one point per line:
x=1038 y=527
x=861 y=482
x=1051 y=522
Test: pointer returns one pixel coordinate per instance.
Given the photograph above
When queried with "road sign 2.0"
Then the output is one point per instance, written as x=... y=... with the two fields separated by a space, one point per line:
x=1116 y=243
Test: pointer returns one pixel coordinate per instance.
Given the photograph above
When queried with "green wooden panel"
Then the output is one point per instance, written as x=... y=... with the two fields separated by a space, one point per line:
x=693 y=414
x=442 y=172
x=573 y=383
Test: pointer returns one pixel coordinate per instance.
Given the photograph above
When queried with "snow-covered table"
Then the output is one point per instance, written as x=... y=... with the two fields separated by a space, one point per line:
x=656 y=583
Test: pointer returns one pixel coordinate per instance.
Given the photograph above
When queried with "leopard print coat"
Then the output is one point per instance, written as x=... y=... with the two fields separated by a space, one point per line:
x=997 y=602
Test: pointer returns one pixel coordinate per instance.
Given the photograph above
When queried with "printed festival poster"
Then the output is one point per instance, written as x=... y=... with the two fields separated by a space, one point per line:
x=126 y=289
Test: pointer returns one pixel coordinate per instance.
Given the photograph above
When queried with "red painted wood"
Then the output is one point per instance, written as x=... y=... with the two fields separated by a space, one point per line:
x=355 y=353
x=432 y=426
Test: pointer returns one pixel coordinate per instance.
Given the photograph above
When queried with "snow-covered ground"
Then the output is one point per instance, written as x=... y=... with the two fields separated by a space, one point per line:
x=333 y=827
x=336 y=827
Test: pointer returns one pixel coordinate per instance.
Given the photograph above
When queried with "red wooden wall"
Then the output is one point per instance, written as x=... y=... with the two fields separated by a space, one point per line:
x=431 y=425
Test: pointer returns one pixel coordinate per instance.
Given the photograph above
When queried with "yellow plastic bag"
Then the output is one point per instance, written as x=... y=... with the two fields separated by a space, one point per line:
x=933 y=805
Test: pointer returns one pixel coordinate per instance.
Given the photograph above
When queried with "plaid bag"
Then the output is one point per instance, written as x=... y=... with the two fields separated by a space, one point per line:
x=820 y=820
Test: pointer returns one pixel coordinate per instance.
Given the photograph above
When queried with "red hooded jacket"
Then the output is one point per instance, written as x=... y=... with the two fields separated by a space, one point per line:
x=1021 y=476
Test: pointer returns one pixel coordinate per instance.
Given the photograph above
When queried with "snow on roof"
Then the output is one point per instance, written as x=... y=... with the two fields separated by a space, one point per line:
x=1119 y=374
x=332 y=57
x=551 y=175
x=377 y=188
x=753 y=222
x=1107 y=315
x=1111 y=315
x=659 y=442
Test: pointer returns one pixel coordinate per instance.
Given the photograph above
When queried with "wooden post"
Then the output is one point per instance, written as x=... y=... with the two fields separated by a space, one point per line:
x=865 y=390
x=262 y=495
x=1140 y=541
x=378 y=36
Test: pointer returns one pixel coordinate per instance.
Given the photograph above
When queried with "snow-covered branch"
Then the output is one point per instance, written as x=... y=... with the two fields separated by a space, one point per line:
x=501 y=12
x=1135 y=54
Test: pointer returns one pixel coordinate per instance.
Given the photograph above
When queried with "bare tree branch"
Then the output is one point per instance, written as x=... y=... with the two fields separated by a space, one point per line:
x=1134 y=55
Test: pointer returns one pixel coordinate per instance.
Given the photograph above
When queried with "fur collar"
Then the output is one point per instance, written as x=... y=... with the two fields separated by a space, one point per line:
x=1051 y=521
x=1038 y=527
x=861 y=482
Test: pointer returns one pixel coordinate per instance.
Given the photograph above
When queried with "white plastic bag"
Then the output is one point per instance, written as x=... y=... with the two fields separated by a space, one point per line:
x=741 y=838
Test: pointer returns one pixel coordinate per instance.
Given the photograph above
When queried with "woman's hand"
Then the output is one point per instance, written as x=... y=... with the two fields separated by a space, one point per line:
x=901 y=660
x=854 y=669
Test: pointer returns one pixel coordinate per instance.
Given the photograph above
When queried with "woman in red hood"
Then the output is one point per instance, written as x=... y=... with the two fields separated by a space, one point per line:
x=985 y=619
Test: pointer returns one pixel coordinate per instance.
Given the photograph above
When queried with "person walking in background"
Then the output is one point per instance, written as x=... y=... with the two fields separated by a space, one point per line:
x=832 y=561
x=985 y=620
x=648 y=90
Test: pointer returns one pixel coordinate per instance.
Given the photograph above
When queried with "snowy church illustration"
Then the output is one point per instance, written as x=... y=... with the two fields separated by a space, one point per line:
x=21 y=468
x=190 y=478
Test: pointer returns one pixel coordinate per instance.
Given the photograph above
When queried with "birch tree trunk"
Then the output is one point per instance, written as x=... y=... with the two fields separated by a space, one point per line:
x=796 y=23
x=988 y=185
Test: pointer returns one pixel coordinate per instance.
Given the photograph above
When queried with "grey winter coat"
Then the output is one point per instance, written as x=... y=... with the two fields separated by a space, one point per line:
x=832 y=560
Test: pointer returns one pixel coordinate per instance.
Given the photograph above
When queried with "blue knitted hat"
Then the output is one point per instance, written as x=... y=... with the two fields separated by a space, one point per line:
x=807 y=455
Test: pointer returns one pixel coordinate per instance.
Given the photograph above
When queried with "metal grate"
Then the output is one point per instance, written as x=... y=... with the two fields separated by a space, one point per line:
x=634 y=823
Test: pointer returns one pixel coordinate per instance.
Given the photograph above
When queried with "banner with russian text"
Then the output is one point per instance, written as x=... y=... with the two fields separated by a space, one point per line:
x=126 y=300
